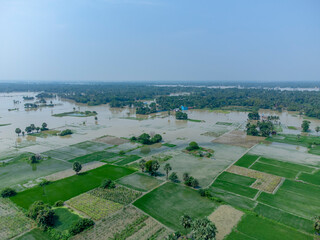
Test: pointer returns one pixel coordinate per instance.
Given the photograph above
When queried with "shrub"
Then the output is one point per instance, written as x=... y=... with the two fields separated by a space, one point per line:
x=44 y=183
x=173 y=177
x=121 y=153
x=152 y=166
x=45 y=218
x=58 y=203
x=80 y=226
x=8 y=192
x=107 y=183
x=66 y=132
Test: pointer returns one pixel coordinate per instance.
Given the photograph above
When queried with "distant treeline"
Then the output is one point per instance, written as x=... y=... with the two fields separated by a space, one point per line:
x=131 y=94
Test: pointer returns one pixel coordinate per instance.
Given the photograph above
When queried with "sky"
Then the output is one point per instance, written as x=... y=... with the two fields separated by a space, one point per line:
x=159 y=40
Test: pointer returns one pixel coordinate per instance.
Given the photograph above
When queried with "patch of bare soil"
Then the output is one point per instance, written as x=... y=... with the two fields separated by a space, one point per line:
x=265 y=182
x=70 y=172
x=111 y=140
x=239 y=138
x=225 y=218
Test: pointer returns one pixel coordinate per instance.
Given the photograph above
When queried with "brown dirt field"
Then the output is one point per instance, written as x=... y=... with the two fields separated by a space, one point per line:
x=265 y=182
x=70 y=172
x=111 y=140
x=238 y=138
x=225 y=218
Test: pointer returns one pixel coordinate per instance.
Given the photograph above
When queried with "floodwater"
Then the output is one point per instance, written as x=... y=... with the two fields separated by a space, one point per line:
x=120 y=122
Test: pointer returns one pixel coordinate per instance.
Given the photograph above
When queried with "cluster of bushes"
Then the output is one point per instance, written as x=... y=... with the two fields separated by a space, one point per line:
x=66 y=132
x=42 y=213
x=80 y=226
x=8 y=192
x=108 y=184
x=152 y=108
x=190 y=181
x=193 y=146
x=264 y=128
x=181 y=115
x=201 y=229
x=32 y=128
x=145 y=138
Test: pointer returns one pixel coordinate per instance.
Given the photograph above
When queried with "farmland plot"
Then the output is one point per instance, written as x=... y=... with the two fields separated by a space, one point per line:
x=93 y=206
x=12 y=221
x=119 y=194
x=140 y=182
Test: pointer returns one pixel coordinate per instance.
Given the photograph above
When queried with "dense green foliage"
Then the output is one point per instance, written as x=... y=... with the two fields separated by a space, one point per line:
x=8 y=192
x=81 y=225
x=181 y=115
x=66 y=132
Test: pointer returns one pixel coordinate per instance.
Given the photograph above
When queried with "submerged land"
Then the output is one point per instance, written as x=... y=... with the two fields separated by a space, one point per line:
x=240 y=158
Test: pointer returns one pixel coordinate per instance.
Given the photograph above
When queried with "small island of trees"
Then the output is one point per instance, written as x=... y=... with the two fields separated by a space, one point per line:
x=147 y=139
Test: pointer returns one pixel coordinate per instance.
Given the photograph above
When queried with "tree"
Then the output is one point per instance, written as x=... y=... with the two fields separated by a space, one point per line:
x=23 y=133
x=37 y=129
x=195 y=183
x=316 y=225
x=142 y=164
x=45 y=218
x=185 y=176
x=252 y=130
x=80 y=225
x=76 y=166
x=203 y=229
x=181 y=116
x=28 y=129
x=44 y=126
x=186 y=221
x=33 y=127
x=157 y=138
x=193 y=146
x=305 y=125
x=167 y=168
x=254 y=116
x=18 y=131
x=317 y=129
x=152 y=166
x=107 y=183
x=173 y=177
x=189 y=181
x=144 y=138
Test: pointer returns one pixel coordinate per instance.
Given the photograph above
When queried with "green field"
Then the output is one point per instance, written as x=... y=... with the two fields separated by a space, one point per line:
x=264 y=229
x=96 y=156
x=275 y=170
x=246 y=160
x=235 y=188
x=70 y=187
x=232 y=199
x=140 y=182
x=128 y=159
x=287 y=165
x=170 y=201
x=299 y=223
x=310 y=178
x=297 y=198
x=35 y=234
x=236 y=179
x=64 y=218
x=224 y=123
x=169 y=145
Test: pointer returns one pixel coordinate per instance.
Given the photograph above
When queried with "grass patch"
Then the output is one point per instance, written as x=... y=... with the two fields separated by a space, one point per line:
x=232 y=199
x=305 y=141
x=224 y=123
x=298 y=198
x=96 y=156
x=5 y=124
x=286 y=165
x=140 y=182
x=170 y=201
x=94 y=207
x=264 y=229
x=35 y=234
x=235 y=178
x=70 y=187
x=64 y=218
x=119 y=194
x=128 y=159
x=195 y=120
x=292 y=128
x=235 y=188
x=310 y=178
x=296 y=222
x=169 y=145
x=246 y=160
x=275 y=170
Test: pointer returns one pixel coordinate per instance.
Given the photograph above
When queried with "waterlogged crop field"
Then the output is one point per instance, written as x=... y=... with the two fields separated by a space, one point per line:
x=140 y=182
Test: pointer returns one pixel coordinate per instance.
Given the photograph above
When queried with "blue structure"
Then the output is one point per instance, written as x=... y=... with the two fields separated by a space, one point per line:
x=184 y=108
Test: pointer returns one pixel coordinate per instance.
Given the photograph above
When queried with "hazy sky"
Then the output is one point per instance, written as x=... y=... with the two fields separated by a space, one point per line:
x=126 y=40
